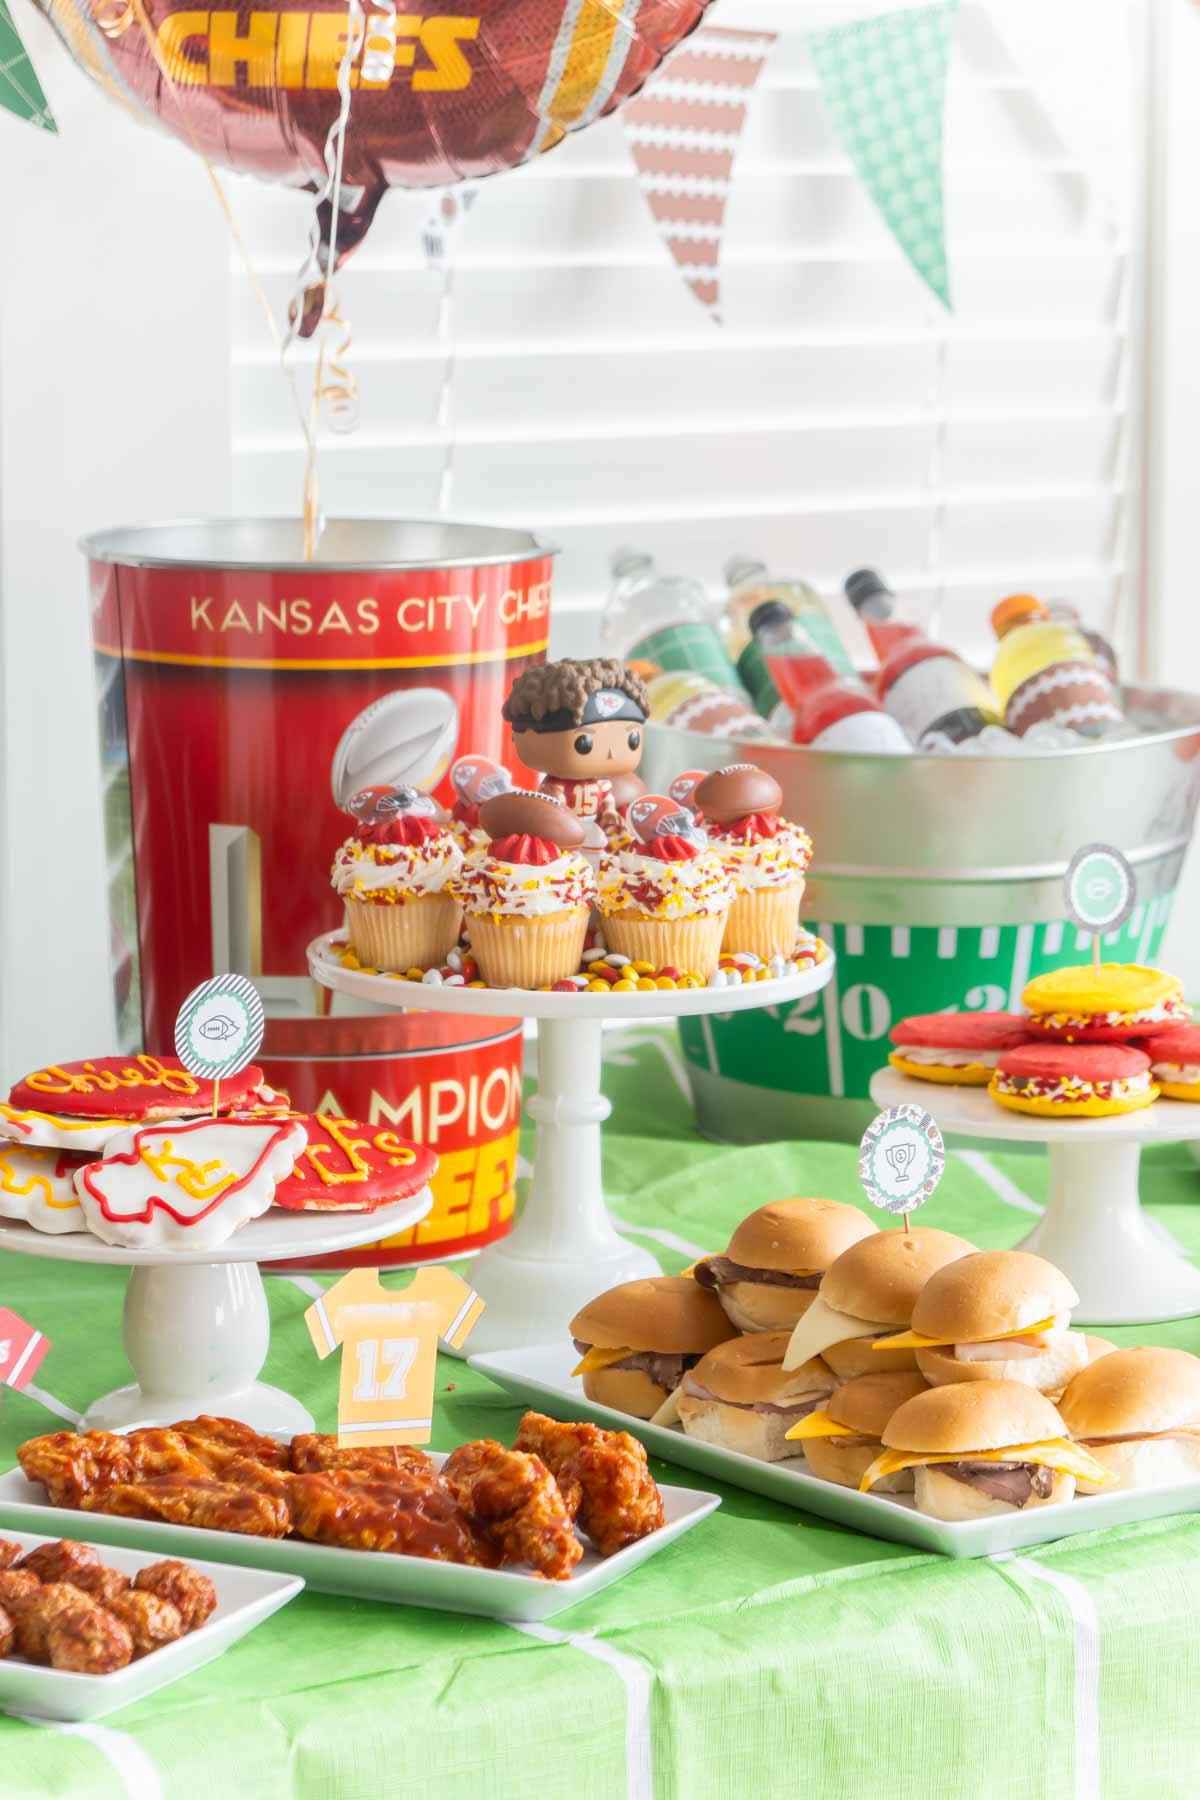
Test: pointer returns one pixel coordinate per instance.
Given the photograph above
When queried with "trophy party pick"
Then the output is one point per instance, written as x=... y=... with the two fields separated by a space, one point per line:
x=901 y=1159
x=1100 y=889
x=219 y=1028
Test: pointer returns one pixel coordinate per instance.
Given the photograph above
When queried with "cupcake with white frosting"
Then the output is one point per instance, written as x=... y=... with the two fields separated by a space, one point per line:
x=767 y=857
x=665 y=901
x=393 y=873
x=527 y=897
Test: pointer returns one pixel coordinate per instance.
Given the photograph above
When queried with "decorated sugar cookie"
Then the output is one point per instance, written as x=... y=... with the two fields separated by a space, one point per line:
x=347 y=1166
x=37 y=1186
x=187 y=1186
x=83 y=1105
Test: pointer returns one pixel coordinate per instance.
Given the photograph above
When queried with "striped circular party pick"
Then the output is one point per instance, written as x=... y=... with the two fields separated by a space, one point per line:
x=219 y=1027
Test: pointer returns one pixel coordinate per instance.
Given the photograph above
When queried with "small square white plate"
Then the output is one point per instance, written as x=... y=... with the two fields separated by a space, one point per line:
x=540 y=1375
x=366 y=1574
x=245 y=1597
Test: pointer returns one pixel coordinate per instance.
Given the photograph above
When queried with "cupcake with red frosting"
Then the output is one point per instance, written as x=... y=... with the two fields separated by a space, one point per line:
x=392 y=873
x=528 y=896
x=665 y=900
x=767 y=857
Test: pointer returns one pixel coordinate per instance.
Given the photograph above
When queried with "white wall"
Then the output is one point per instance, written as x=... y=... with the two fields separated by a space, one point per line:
x=113 y=407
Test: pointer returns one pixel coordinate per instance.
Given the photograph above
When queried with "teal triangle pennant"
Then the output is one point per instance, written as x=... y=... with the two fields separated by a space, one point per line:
x=884 y=83
x=20 y=90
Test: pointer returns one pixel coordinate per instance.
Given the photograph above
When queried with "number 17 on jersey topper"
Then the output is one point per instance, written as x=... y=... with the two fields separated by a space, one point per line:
x=388 y=1338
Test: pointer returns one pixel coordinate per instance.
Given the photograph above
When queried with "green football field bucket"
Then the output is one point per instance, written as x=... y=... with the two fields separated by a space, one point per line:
x=939 y=883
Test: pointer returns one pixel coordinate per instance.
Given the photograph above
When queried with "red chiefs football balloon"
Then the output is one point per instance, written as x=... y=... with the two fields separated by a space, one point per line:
x=444 y=95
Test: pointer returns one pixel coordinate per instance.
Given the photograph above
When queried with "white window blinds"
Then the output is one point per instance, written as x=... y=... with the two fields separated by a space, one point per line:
x=573 y=385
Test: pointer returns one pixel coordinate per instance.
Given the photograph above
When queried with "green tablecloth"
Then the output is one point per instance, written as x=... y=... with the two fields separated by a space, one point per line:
x=766 y=1654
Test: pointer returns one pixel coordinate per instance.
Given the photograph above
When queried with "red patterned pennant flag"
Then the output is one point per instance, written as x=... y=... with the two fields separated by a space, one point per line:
x=683 y=129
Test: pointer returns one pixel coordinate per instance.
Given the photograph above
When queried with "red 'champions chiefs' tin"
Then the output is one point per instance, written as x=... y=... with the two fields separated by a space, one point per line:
x=244 y=694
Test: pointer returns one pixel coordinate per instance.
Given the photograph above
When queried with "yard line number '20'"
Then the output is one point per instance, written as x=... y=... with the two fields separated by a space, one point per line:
x=395 y=1355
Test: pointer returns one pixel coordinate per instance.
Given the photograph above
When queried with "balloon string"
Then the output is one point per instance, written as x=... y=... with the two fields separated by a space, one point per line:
x=256 y=285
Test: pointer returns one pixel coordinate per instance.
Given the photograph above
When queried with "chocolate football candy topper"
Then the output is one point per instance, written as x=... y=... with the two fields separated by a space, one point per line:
x=579 y=724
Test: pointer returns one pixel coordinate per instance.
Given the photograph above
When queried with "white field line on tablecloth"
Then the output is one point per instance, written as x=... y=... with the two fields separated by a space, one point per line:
x=1085 y=1624
x=1000 y=1184
x=636 y=1679
x=128 y=1761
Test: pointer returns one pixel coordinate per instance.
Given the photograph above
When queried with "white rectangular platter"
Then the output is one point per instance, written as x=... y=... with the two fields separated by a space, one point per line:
x=366 y=1574
x=245 y=1597
x=540 y=1375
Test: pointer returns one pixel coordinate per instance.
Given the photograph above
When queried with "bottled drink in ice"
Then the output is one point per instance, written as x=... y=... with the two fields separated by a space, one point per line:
x=879 y=610
x=750 y=587
x=831 y=710
x=1067 y=613
x=932 y=692
x=1046 y=671
x=666 y=620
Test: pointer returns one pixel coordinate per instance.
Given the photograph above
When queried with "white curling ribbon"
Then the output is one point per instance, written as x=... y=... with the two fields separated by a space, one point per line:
x=379 y=48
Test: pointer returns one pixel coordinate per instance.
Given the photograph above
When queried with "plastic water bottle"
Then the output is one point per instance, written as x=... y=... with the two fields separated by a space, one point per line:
x=1046 y=672
x=1067 y=613
x=752 y=587
x=932 y=692
x=879 y=610
x=666 y=620
x=831 y=709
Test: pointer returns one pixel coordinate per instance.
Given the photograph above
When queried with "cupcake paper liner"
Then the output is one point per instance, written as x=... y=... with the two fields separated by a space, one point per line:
x=528 y=953
x=693 y=945
x=416 y=935
x=764 y=920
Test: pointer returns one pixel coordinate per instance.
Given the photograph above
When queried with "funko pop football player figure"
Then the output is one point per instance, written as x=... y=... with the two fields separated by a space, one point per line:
x=580 y=724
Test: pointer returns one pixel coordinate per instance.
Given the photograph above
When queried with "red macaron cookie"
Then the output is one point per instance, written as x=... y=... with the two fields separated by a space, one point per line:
x=1073 y=1081
x=1174 y=1055
x=971 y=1041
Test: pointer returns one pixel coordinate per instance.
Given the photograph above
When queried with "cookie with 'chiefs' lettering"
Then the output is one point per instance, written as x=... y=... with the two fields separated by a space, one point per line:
x=38 y=1187
x=348 y=1166
x=82 y=1105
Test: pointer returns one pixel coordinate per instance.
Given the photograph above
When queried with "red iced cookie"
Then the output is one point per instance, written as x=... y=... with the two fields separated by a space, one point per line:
x=1087 y=1062
x=962 y=1031
x=1179 y=1046
x=349 y=1166
x=129 y=1087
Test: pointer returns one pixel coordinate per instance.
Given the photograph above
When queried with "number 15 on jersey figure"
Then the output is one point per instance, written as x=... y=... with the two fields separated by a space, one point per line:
x=389 y=1349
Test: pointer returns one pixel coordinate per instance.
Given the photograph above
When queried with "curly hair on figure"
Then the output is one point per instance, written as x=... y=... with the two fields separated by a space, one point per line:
x=554 y=696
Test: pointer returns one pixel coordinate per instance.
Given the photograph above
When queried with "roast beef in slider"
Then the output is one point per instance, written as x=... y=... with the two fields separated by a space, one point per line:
x=769 y=1275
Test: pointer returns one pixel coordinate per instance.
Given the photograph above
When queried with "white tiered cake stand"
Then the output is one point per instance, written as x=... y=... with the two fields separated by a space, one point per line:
x=1093 y=1228
x=196 y=1325
x=563 y=1250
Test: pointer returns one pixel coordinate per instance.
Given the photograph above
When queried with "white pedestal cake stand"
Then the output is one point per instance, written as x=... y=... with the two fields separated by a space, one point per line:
x=196 y=1326
x=1093 y=1228
x=563 y=1250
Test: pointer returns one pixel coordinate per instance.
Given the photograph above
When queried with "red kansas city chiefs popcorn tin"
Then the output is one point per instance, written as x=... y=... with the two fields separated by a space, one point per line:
x=244 y=695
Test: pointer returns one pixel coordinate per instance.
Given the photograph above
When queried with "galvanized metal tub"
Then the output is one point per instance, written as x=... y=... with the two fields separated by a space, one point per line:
x=939 y=882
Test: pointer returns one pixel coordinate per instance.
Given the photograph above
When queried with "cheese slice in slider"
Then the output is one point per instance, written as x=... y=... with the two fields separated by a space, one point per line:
x=1057 y=1453
x=668 y=1413
x=917 y=1340
x=600 y=1359
x=820 y=1425
x=821 y=1326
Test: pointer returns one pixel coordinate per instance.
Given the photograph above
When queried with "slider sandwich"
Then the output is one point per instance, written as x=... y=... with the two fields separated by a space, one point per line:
x=740 y=1397
x=1137 y=1412
x=637 y=1340
x=842 y=1439
x=776 y=1258
x=981 y=1449
x=872 y=1288
x=999 y=1315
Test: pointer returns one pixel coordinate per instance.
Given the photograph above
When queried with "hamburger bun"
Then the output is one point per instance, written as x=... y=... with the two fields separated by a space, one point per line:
x=987 y=1295
x=737 y=1376
x=664 y=1313
x=858 y=1356
x=969 y=1417
x=864 y=1406
x=1149 y=1400
x=881 y=1276
x=660 y=1312
x=797 y=1237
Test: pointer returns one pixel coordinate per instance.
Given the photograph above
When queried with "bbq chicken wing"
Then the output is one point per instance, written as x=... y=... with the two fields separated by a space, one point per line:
x=62 y=1561
x=217 y=1441
x=191 y=1594
x=89 y=1640
x=313 y=1451
x=516 y=1500
x=34 y=1613
x=405 y=1516
x=73 y=1465
x=618 y=1499
x=202 y=1501
x=149 y=1620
